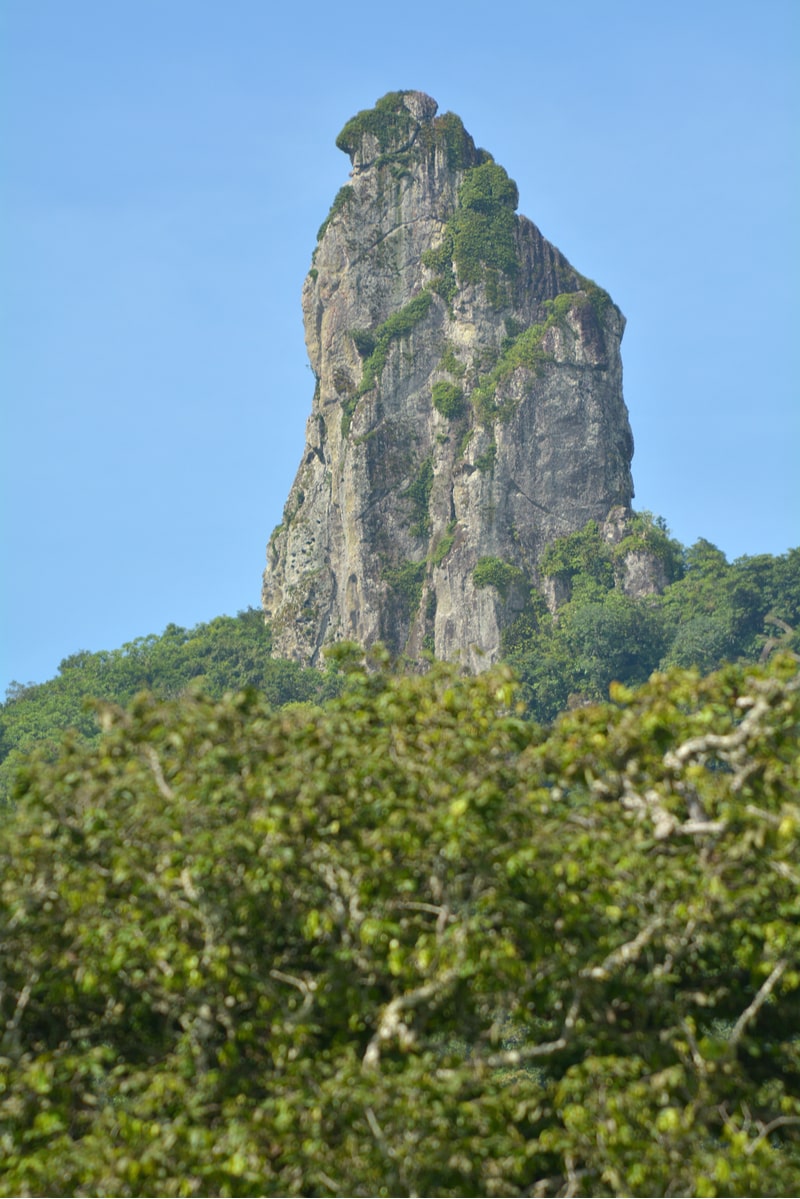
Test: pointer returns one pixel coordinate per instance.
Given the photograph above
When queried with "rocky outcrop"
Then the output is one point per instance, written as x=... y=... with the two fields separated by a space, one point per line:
x=468 y=407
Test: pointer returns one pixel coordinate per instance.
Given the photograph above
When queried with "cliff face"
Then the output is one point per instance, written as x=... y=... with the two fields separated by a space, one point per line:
x=468 y=407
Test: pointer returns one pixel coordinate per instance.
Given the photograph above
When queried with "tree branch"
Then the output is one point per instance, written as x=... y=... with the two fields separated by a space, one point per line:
x=391 y=1027
x=517 y=1057
x=761 y=998
x=628 y=952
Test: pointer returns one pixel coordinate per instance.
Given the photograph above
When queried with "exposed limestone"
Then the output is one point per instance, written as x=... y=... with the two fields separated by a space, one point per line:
x=468 y=407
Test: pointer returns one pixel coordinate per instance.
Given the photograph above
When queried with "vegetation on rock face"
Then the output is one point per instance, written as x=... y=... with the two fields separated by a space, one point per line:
x=373 y=347
x=448 y=398
x=406 y=582
x=524 y=349
x=417 y=495
x=444 y=545
x=480 y=237
x=392 y=126
x=494 y=572
x=483 y=226
x=408 y=944
x=388 y=122
x=341 y=199
x=710 y=612
x=486 y=460
x=448 y=130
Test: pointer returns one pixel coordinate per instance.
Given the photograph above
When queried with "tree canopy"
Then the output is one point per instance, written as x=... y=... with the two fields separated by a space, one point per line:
x=709 y=612
x=226 y=654
x=408 y=943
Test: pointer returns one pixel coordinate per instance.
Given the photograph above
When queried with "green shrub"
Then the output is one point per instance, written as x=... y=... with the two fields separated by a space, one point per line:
x=448 y=398
x=406 y=582
x=343 y=197
x=494 y=572
x=389 y=122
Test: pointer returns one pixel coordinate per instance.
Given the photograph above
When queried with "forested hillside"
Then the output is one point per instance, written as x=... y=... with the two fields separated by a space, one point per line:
x=710 y=612
x=227 y=654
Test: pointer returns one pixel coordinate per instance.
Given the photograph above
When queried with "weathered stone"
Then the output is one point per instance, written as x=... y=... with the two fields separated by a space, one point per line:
x=468 y=404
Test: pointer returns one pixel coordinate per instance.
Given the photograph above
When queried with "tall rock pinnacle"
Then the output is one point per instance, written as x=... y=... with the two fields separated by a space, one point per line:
x=468 y=407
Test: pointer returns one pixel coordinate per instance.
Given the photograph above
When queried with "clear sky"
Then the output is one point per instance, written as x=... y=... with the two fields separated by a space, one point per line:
x=164 y=168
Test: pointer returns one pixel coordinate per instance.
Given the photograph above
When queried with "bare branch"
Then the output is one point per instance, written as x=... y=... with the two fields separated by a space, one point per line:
x=770 y=618
x=417 y=906
x=517 y=1057
x=391 y=1025
x=700 y=828
x=785 y=871
x=305 y=987
x=158 y=773
x=10 y=1041
x=761 y=998
x=628 y=952
x=768 y=1129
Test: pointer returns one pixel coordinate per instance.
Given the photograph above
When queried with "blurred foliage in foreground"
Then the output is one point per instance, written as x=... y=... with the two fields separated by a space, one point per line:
x=409 y=943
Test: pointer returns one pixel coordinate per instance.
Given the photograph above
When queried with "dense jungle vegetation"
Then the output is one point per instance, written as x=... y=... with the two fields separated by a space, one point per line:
x=272 y=931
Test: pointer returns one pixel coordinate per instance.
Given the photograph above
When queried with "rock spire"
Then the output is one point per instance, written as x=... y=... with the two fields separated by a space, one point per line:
x=468 y=407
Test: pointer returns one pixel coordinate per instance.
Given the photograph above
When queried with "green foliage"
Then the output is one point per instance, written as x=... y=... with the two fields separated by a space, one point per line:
x=448 y=398
x=485 y=461
x=444 y=545
x=616 y=638
x=520 y=349
x=486 y=189
x=389 y=122
x=375 y=345
x=649 y=534
x=440 y=260
x=598 y=637
x=523 y=348
x=406 y=582
x=448 y=131
x=735 y=600
x=711 y=612
x=406 y=944
x=483 y=227
x=584 y=559
x=341 y=199
x=480 y=238
x=417 y=495
x=451 y=364
x=364 y=340
x=227 y=654
x=494 y=572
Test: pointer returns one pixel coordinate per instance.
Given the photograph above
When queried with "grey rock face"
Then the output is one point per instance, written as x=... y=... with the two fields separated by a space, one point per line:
x=468 y=407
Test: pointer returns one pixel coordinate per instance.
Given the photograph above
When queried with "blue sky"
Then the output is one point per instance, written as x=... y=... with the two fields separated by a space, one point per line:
x=164 y=167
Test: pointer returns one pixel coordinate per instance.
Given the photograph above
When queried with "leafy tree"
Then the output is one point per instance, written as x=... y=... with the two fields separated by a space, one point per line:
x=227 y=654
x=405 y=943
x=710 y=612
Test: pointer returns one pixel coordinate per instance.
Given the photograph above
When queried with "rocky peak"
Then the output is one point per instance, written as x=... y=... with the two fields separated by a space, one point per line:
x=468 y=407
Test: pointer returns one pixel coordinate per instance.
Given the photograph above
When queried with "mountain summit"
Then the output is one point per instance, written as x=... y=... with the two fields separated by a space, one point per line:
x=468 y=407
